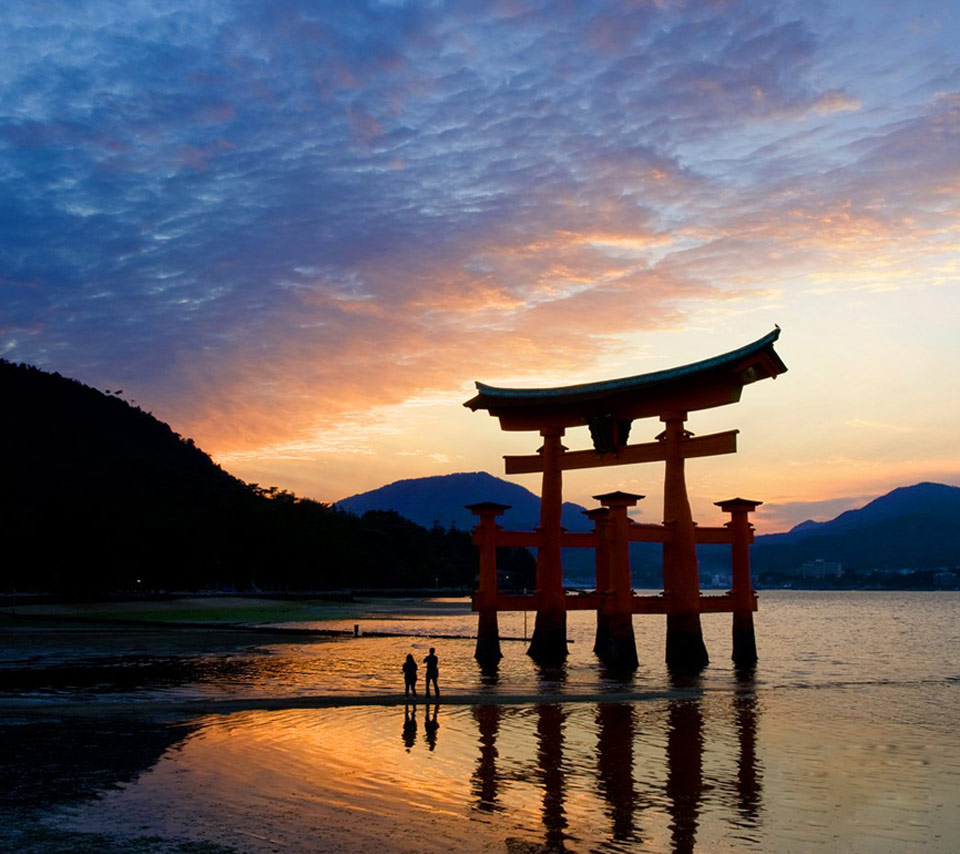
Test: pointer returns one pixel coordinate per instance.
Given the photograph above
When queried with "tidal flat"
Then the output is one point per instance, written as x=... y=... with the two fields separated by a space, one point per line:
x=160 y=738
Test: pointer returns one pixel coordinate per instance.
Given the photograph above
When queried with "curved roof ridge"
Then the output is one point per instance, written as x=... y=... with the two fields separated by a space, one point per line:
x=637 y=381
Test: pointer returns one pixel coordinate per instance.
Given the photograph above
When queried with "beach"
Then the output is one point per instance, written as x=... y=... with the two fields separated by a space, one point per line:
x=844 y=738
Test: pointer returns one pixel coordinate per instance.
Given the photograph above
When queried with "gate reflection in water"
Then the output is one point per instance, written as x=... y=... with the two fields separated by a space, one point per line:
x=702 y=768
x=680 y=777
x=847 y=740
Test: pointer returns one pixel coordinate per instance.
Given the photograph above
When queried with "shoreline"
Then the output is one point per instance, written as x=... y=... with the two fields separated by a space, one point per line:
x=197 y=708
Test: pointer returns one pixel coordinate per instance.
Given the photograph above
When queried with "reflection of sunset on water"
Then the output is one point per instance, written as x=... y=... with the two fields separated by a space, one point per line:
x=826 y=740
x=704 y=772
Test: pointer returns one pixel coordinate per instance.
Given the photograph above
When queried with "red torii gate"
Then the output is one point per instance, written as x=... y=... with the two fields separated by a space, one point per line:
x=608 y=408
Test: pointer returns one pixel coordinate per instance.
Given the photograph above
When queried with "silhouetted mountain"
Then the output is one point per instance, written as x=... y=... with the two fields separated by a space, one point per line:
x=62 y=436
x=101 y=496
x=442 y=500
x=910 y=527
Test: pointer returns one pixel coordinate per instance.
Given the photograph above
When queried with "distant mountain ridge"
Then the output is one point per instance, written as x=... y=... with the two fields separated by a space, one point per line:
x=910 y=527
x=442 y=500
x=933 y=500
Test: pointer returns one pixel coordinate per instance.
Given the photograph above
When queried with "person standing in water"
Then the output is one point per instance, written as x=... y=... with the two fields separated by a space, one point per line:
x=433 y=671
x=409 y=676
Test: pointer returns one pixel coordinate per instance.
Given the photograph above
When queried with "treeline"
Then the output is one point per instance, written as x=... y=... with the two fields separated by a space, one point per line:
x=99 y=496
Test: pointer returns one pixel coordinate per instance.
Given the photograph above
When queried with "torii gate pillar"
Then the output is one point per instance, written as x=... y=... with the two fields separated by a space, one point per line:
x=681 y=574
x=600 y=518
x=485 y=538
x=548 y=645
x=620 y=648
x=744 y=640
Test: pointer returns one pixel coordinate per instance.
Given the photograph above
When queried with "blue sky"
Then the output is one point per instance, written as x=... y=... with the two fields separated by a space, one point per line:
x=298 y=231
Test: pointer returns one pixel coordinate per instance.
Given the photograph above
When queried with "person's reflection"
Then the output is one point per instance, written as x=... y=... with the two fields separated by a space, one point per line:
x=550 y=720
x=431 y=725
x=749 y=777
x=684 y=770
x=409 y=727
x=615 y=734
x=486 y=779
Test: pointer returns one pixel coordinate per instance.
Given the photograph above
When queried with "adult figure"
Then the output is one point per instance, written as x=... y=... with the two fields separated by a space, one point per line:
x=433 y=670
x=409 y=676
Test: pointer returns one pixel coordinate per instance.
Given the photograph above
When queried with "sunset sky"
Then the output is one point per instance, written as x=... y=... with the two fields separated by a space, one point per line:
x=299 y=231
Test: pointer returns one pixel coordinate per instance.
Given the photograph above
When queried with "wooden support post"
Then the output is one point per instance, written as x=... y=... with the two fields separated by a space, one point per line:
x=621 y=647
x=685 y=650
x=548 y=645
x=599 y=517
x=744 y=599
x=485 y=537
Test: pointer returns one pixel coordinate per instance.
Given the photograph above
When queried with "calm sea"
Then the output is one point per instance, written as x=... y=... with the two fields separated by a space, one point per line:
x=844 y=739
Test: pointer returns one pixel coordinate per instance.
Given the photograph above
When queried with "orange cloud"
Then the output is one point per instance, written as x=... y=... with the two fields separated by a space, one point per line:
x=835 y=101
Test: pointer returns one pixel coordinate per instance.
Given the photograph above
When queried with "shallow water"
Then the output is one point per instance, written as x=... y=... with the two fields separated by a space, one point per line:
x=845 y=738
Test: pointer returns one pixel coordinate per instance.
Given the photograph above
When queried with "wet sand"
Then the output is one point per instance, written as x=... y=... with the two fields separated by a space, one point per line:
x=709 y=773
x=134 y=740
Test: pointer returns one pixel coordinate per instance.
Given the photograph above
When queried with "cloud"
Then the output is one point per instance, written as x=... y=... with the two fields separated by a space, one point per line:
x=863 y=423
x=784 y=515
x=208 y=207
x=835 y=101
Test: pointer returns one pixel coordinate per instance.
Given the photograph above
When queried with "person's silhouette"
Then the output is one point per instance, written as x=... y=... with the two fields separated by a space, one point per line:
x=433 y=670
x=409 y=676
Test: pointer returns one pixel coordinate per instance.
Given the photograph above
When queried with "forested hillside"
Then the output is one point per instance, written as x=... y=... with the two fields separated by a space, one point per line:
x=101 y=496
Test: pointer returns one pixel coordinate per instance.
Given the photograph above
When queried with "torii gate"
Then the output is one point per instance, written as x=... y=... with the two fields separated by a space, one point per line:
x=608 y=408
